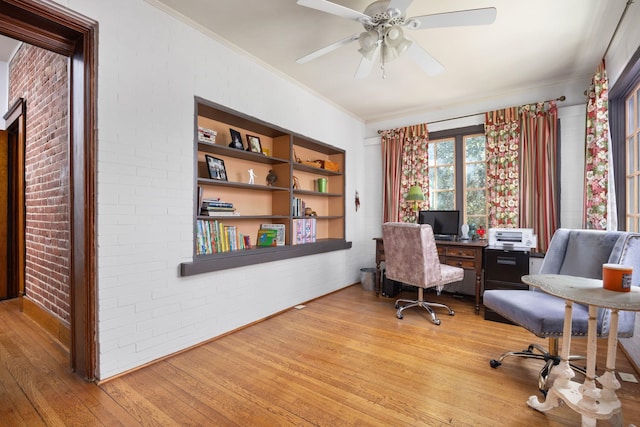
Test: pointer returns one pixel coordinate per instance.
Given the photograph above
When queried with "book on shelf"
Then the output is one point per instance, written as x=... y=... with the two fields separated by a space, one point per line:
x=267 y=237
x=215 y=237
x=303 y=231
x=280 y=238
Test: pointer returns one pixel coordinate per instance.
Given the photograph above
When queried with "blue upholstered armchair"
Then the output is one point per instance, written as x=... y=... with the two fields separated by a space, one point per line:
x=574 y=253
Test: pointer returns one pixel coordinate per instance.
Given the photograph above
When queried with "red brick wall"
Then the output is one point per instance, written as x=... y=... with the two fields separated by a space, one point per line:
x=40 y=77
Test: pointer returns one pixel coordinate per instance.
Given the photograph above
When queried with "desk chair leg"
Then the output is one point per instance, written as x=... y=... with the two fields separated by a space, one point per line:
x=420 y=302
x=550 y=356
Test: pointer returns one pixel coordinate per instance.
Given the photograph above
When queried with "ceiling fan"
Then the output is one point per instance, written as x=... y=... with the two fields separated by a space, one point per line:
x=384 y=22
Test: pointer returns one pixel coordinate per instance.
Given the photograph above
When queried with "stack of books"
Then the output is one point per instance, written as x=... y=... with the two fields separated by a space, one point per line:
x=216 y=207
x=215 y=237
x=298 y=206
x=304 y=231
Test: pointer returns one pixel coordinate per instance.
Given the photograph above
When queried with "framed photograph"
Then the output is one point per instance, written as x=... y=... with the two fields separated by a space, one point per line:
x=253 y=144
x=216 y=168
x=236 y=139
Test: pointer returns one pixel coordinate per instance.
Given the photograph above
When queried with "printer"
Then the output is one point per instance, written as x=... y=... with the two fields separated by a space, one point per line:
x=512 y=238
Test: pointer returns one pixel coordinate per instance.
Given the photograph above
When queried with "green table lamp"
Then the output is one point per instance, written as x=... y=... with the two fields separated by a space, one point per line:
x=415 y=195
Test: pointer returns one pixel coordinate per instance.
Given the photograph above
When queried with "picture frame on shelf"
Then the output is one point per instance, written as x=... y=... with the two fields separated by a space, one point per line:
x=216 y=168
x=253 y=144
x=236 y=139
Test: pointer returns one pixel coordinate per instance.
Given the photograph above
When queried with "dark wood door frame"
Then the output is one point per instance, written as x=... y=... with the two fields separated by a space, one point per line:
x=16 y=126
x=53 y=27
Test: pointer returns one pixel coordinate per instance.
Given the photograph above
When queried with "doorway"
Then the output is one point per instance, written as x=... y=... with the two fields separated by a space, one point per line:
x=12 y=213
x=53 y=27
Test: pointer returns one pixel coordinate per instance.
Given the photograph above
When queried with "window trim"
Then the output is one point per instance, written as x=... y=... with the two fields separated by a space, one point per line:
x=458 y=134
x=628 y=80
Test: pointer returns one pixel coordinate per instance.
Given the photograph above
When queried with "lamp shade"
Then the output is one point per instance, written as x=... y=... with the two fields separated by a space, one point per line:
x=415 y=193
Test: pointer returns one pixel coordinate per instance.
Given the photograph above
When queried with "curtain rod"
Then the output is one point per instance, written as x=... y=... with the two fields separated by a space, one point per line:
x=613 y=36
x=560 y=98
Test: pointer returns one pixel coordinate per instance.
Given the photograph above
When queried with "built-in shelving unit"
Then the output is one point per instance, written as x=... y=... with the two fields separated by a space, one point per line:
x=293 y=159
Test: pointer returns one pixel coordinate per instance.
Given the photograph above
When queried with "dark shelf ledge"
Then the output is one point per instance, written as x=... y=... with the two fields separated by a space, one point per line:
x=226 y=260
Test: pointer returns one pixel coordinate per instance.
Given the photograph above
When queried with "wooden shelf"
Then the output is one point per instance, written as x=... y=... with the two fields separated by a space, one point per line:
x=265 y=204
x=312 y=169
x=219 y=183
x=206 y=147
x=235 y=217
x=226 y=260
x=315 y=193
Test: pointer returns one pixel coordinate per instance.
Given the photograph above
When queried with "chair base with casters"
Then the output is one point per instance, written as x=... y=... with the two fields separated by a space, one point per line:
x=411 y=257
x=550 y=356
x=420 y=302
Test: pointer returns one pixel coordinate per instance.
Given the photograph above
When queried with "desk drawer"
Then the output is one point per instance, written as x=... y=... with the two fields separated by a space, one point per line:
x=460 y=252
x=469 y=264
x=505 y=266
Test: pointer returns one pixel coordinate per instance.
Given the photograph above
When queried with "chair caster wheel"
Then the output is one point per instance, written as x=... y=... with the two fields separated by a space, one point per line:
x=399 y=316
x=397 y=306
x=494 y=363
x=451 y=313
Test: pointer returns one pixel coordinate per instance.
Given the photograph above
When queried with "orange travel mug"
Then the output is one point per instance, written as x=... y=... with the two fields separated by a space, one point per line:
x=617 y=277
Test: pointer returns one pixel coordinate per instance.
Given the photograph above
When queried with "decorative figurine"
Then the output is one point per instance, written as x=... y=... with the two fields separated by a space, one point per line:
x=480 y=232
x=271 y=177
x=465 y=232
x=252 y=176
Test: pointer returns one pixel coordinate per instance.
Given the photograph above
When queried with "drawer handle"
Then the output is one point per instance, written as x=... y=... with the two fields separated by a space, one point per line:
x=459 y=264
x=506 y=261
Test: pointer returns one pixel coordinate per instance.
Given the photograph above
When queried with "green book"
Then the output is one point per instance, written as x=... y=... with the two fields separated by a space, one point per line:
x=267 y=237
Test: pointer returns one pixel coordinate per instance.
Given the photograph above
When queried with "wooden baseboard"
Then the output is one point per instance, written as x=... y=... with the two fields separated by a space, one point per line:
x=47 y=321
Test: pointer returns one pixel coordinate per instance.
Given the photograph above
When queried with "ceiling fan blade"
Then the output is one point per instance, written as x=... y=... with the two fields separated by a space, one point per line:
x=323 y=51
x=366 y=64
x=484 y=16
x=335 y=9
x=401 y=5
x=424 y=59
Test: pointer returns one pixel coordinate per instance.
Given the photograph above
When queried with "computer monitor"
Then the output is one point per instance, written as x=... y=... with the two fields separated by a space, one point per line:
x=445 y=223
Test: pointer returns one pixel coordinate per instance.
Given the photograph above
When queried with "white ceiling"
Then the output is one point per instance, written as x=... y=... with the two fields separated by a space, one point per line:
x=533 y=44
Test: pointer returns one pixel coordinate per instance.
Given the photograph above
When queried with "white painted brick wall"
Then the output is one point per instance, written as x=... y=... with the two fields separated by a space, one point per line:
x=150 y=68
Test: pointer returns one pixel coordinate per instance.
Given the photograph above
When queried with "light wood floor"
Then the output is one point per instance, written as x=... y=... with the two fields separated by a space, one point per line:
x=343 y=360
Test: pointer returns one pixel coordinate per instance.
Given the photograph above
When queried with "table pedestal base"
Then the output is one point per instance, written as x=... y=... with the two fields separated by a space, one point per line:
x=574 y=397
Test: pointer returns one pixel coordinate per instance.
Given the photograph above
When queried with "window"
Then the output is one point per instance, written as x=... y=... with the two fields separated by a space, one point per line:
x=442 y=174
x=475 y=187
x=457 y=173
x=624 y=123
x=632 y=141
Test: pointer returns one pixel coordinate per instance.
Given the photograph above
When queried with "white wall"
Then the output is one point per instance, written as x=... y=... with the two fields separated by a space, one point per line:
x=150 y=68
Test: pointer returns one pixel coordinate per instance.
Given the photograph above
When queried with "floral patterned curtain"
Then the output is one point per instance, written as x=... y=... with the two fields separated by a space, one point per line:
x=405 y=163
x=599 y=198
x=538 y=170
x=502 y=130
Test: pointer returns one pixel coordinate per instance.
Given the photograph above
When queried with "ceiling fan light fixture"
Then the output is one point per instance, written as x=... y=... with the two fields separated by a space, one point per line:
x=368 y=40
x=395 y=43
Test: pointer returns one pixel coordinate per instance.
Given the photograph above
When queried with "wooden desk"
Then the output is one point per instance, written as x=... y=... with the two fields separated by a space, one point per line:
x=465 y=254
x=591 y=402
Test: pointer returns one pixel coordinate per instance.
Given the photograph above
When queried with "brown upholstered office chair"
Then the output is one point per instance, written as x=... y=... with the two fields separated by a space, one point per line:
x=411 y=257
